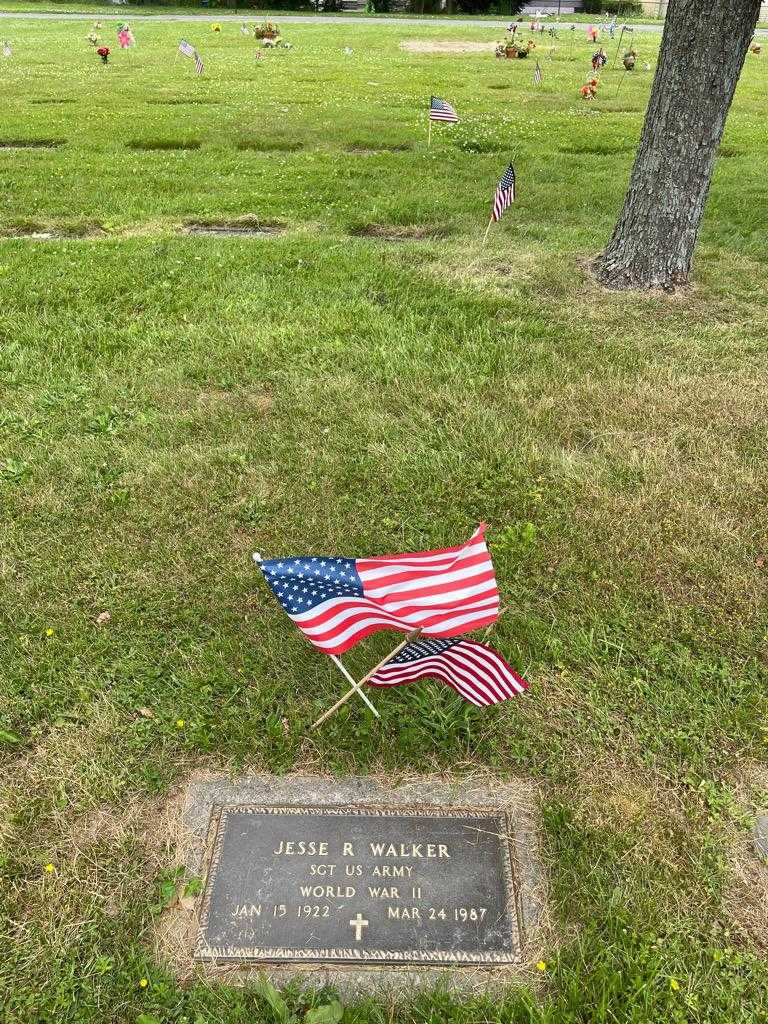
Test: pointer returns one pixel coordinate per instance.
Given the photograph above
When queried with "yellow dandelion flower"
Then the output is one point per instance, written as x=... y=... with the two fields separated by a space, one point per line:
x=49 y=632
x=541 y=965
x=180 y=723
x=143 y=983
x=49 y=868
x=674 y=984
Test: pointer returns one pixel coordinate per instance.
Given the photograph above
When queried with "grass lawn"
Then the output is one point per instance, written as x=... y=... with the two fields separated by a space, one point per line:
x=170 y=402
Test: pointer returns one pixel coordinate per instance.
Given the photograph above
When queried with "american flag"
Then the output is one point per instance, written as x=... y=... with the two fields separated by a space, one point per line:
x=198 y=63
x=186 y=49
x=337 y=601
x=244 y=30
x=439 y=110
x=7 y=51
x=505 y=193
x=537 y=75
x=477 y=672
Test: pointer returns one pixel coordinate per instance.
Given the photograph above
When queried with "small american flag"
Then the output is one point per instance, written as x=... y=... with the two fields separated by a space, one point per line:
x=537 y=75
x=244 y=30
x=7 y=51
x=186 y=49
x=198 y=63
x=477 y=672
x=337 y=601
x=439 y=110
x=505 y=193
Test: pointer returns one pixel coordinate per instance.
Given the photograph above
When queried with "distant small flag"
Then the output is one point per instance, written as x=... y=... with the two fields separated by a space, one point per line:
x=188 y=50
x=348 y=51
x=244 y=30
x=7 y=51
x=505 y=193
x=537 y=75
x=439 y=110
x=477 y=672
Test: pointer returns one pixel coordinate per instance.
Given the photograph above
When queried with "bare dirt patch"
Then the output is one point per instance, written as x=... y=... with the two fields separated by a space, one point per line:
x=163 y=145
x=399 y=232
x=444 y=46
x=31 y=143
x=183 y=102
x=47 y=233
x=242 y=227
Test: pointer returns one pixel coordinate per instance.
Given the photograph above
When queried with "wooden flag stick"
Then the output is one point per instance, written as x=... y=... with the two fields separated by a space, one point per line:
x=356 y=687
x=485 y=236
x=429 y=135
x=621 y=80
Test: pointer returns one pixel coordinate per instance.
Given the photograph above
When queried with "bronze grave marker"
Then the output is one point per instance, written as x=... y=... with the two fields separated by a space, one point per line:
x=360 y=885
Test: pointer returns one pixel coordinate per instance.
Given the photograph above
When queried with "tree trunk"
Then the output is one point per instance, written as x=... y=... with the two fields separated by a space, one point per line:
x=702 y=53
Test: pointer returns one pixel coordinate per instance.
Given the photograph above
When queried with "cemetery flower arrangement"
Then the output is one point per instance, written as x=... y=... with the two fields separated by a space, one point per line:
x=125 y=37
x=630 y=59
x=103 y=52
x=589 y=91
x=216 y=27
x=267 y=30
x=514 y=47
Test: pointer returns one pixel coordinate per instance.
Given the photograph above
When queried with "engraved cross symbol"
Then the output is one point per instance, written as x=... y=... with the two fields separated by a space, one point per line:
x=358 y=923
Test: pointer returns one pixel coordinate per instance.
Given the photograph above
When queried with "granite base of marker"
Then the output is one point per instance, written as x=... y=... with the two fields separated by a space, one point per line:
x=198 y=939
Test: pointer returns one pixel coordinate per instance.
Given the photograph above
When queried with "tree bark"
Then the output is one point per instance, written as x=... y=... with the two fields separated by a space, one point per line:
x=702 y=53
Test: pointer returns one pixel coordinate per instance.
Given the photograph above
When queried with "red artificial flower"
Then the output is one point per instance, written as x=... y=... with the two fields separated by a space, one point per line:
x=103 y=51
